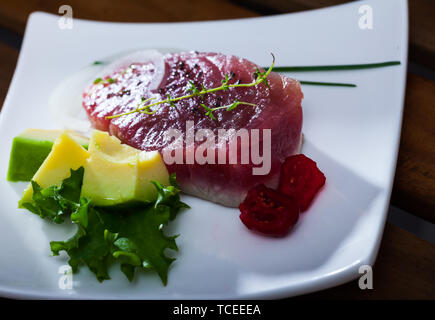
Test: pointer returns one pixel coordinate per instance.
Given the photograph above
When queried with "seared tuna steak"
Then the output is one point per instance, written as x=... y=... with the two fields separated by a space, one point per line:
x=276 y=114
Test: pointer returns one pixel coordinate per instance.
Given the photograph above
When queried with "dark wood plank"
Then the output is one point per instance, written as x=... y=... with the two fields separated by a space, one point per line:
x=404 y=269
x=414 y=185
x=13 y=14
x=422 y=32
x=287 y=6
x=8 y=60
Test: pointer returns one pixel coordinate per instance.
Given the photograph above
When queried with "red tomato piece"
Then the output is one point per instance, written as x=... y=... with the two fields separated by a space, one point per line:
x=268 y=211
x=301 y=179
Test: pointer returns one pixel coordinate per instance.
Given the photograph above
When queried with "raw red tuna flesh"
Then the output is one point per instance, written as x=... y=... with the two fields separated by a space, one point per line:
x=277 y=108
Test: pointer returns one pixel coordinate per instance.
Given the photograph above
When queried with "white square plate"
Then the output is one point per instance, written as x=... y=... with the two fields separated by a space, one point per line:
x=352 y=133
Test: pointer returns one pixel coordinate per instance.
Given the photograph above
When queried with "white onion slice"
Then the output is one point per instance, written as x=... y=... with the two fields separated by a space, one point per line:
x=143 y=56
x=66 y=100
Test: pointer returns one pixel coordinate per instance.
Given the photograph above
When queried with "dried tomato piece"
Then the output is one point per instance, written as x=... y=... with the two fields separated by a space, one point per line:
x=301 y=179
x=268 y=211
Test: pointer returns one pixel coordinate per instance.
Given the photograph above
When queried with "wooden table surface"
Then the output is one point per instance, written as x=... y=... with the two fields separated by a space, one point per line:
x=405 y=267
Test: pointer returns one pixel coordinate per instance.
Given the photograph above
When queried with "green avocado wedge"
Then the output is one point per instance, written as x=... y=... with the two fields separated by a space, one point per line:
x=119 y=175
x=31 y=148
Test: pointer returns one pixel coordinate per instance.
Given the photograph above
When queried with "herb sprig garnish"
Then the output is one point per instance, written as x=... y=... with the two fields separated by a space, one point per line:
x=108 y=80
x=260 y=77
x=102 y=81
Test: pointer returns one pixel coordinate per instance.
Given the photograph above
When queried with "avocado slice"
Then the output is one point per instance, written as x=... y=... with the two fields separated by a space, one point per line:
x=65 y=155
x=31 y=147
x=117 y=174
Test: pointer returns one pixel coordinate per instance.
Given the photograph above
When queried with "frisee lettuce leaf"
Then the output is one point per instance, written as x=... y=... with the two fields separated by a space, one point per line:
x=54 y=202
x=131 y=235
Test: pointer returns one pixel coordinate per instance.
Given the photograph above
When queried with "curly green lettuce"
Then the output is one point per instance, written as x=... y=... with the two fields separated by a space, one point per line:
x=133 y=235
